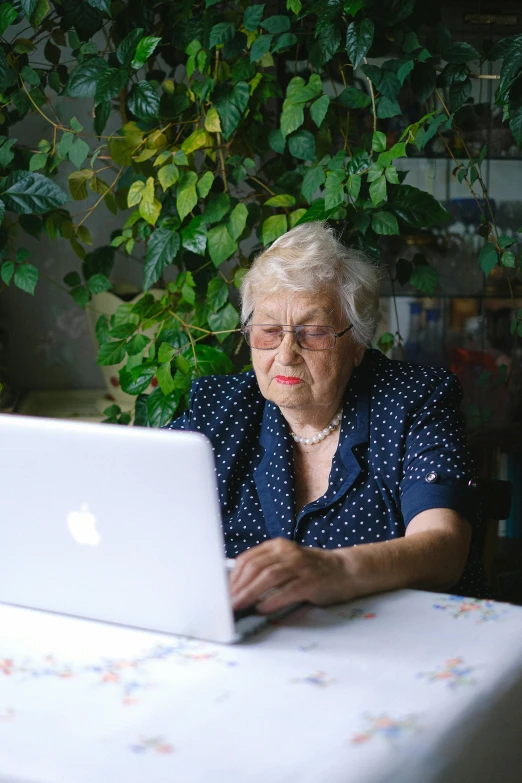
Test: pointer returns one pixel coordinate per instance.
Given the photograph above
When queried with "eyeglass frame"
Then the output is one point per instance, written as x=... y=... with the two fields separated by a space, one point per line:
x=296 y=333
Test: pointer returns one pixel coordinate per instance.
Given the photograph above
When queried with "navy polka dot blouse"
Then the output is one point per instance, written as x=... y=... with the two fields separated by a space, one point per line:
x=402 y=450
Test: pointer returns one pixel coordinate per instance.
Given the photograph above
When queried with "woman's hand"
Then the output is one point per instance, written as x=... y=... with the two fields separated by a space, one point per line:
x=279 y=572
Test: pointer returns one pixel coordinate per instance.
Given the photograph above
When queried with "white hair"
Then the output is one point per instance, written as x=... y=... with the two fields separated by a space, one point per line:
x=310 y=258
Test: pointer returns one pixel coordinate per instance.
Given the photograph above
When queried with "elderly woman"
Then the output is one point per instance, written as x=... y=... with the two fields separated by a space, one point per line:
x=341 y=473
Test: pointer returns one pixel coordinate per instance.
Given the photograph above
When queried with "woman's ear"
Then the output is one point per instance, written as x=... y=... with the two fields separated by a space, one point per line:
x=360 y=350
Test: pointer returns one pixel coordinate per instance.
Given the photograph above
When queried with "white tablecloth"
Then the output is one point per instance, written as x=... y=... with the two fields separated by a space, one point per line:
x=409 y=687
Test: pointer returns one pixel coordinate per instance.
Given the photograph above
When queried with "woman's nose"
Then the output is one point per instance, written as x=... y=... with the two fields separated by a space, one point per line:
x=289 y=348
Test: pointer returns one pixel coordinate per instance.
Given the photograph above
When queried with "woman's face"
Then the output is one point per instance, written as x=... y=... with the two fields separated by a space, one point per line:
x=292 y=377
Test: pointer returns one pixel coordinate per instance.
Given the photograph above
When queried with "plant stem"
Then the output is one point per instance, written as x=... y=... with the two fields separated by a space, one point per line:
x=372 y=94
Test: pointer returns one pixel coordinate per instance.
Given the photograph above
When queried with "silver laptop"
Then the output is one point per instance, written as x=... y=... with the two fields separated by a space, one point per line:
x=114 y=523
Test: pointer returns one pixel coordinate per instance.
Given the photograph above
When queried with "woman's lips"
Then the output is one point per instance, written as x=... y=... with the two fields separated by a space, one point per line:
x=288 y=380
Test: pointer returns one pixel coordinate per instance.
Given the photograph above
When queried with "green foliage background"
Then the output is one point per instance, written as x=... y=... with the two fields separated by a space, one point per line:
x=232 y=129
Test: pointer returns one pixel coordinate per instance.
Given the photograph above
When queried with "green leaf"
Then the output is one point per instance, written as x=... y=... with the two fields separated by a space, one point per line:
x=359 y=38
x=313 y=179
x=252 y=17
x=221 y=33
x=28 y=74
x=397 y=151
x=220 y=244
x=459 y=93
x=109 y=84
x=284 y=41
x=217 y=293
x=277 y=141
x=7 y=271
x=7 y=15
x=127 y=48
x=161 y=408
x=28 y=7
x=38 y=161
x=26 y=278
x=144 y=101
x=78 y=183
x=354 y=98
x=216 y=208
x=72 y=279
x=425 y=278
x=137 y=344
x=328 y=43
x=101 y=5
x=78 y=152
x=83 y=80
x=416 y=207
x=209 y=361
x=204 y=184
x=273 y=227
x=392 y=175
x=102 y=112
x=111 y=353
x=225 y=319
x=283 y=200
x=319 y=108
x=378 y=141
x=144 y=49
x=194 y=236
x=385 y=223
x=460 y=52
x=136 y=379
x=260 y=47
x=316 y=211
x=378 y=190
x=168 y=176
x=165 y=379
x=387 y=108
x=161 y=251
x=196 y=140
x=187 y=197
x=276 y=24
x=291 y=118
x=508 y=259
x=98 y=283
x=31 y=193
x=301 y=144
x=237 y=221
x=230 y=105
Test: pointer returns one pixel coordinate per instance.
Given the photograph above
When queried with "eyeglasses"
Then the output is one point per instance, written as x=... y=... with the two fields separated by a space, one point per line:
x=266 y=337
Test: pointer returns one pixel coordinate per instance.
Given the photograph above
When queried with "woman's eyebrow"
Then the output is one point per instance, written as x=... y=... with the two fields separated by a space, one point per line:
x=310 y=316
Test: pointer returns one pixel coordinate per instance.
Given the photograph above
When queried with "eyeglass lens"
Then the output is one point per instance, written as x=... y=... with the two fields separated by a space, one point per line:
x=312 y=338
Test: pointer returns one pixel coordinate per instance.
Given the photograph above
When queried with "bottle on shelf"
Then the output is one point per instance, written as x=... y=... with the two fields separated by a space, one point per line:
x=431 y=340
x=412 y=346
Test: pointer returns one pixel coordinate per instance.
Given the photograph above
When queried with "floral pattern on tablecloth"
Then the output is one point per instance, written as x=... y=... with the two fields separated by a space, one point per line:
x=131 y=676
x=454 y=673
x=460 y=606
x=318 y=678
x=355 y=613
x=152 y=745
x=387 y=727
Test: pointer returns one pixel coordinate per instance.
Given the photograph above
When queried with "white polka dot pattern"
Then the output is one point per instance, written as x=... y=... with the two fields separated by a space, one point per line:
x=402 y=450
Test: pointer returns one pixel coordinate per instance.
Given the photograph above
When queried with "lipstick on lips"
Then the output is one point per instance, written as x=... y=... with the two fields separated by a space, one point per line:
x=288 y=380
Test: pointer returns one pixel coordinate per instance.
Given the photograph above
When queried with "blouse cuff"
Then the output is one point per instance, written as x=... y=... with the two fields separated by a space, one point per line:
x=461 y=498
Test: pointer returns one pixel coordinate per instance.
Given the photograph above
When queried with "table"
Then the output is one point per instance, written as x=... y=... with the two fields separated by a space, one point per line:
x=406 y=687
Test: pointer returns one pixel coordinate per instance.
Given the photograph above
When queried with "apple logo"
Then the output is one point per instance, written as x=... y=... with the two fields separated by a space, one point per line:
x=82 y=526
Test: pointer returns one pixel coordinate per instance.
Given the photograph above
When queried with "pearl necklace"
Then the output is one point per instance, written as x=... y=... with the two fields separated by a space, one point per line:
x=320 y=435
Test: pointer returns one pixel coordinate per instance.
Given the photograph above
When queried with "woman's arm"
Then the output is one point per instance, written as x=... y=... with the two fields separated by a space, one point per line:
x=279 y=572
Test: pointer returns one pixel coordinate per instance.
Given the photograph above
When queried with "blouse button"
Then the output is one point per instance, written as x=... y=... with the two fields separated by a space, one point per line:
x=431 y=477
x=472 y=484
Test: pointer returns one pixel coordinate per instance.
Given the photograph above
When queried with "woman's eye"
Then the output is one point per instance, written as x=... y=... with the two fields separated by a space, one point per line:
x=271 y=330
